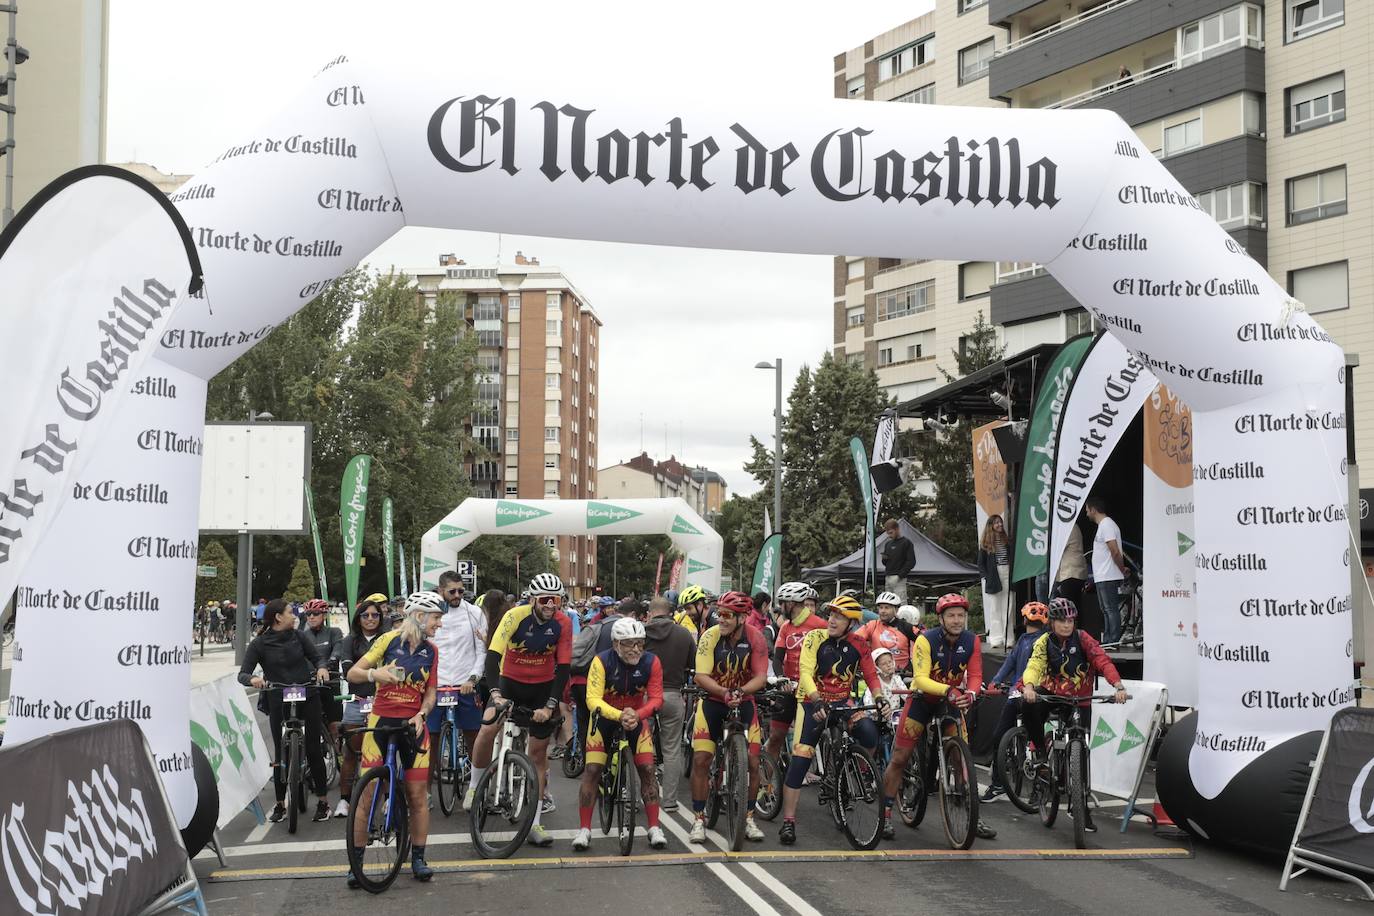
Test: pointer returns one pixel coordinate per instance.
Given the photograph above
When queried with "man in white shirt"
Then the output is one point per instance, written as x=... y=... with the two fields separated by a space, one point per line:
x=462 y=644
x=1109 y=568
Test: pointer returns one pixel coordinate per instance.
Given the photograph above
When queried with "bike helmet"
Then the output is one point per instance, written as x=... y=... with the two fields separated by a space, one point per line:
x=811 y=594
x=949 y=601
x=428 y=602
x=627 y=628
x=1062 y=609
x=889 y=598
x=908 y=613
x=880 y=651
x=736 y=603
x=691 y=595
x=1034 y=610
x=792 y=591
x=846 y=606
x=317 y=604
x=546 y=584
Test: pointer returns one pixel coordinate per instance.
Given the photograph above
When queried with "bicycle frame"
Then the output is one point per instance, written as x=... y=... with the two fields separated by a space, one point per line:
x=390 y=761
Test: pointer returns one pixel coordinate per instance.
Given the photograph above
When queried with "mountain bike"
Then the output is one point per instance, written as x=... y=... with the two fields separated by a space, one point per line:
x=504 y=801
x=1064 y=769
x=689 y=719
x=948 y=760
x=575 y=757
x=455 y=767
x=617 y=791
x=1013 y=766
x=728 y=783
x=292 y=747
x=772 y=770
x=851 y=782
x=378 y=811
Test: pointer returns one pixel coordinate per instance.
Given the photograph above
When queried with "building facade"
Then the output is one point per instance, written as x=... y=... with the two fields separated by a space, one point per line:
x=537 y=399
x=644 y=478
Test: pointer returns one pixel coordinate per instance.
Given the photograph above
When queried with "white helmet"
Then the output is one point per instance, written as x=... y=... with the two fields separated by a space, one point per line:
x=425 y=601
x=792 y=591
x=909 y=613
x=626 y=628
x=888 y=598
x=811 y=594
x=545 y=584
x=881 y=650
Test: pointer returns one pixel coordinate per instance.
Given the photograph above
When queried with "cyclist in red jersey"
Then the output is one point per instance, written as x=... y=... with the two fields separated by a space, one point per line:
x=798 y=620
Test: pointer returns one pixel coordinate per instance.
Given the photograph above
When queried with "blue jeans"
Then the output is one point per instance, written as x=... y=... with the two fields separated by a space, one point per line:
x=1109 y=599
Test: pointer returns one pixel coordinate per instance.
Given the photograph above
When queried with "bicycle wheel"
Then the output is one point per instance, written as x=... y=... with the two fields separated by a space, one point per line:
x=1012 y=753
x=295 y=795
x=383 y=816
x=859 y=786
x=626 y=800
x=503 y=806
x=769 y=800
x=447 y=775
x=912 y=797
x=575 y=760
x=605 y=796
x=330 y=750
x=1078 y=792
x=737 y=787
x=715 y=791
x=959 y=794
x=1048 y=788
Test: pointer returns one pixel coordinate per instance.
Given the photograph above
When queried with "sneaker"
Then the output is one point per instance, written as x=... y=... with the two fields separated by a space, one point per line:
x=468 y=798
x=1088 y=825
x=752 y=833
x=811 y=779
x=582 y=840
x=321 y=811
x=539 y=836
x=420 y=868
x=787 y=834
x=656 y=838
x=993 y=793
x=670 y=806
x=547 y=804
x=353 y=884
x=558 y=752
x=341 y=810
x=278 y=813
x=431 y=803
x=698 y=832
x=985 y=832
x=889 y=833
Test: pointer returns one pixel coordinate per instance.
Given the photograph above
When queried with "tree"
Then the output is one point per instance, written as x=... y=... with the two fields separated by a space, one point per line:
x=627 y=564
x=302 y=585
x=223 y=583
x=495 y=559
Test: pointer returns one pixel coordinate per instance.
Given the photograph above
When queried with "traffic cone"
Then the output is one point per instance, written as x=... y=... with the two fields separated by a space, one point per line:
x=1161 y=817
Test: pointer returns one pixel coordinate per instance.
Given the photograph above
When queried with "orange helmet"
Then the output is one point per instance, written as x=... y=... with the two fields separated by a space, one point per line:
x=949 y=601
x=1034 y=610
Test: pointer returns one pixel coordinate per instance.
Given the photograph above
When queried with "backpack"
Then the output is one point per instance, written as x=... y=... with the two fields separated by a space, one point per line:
x=584 y=647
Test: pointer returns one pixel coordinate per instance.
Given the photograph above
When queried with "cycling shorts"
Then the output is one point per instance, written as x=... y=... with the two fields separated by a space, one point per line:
x=533 y=697
x=916 y=716
x=709 y=725
x=605 y=732
x=785 y=711
x=417 y=769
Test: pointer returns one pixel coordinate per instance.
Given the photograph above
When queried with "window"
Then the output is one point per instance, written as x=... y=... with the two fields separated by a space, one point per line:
x=1008 y=271
x=1235 y=206
x=1183 y=136
x=489 y=391
x=854 y=317
x=973 y=61
x=975 y=279
x=488 y=308
x=1308 y=17
x=1324 y=288
x=1315 y=104
x=550 y=433
x=905 y=349
x=903 y=59
x=513 y=434
x=551 y=462
x=856 y=269
x=1252 y=113
x=855 y=359
x=553 y=380
x=553 y=300
x=488 y=338
x=550 y=489
x=1077 y=322
x=966 y=5
x=512 y=489
x=554 y=327
x=513 y=306
x=855 y=87
x=922 y=96
x=553 y=354
x=1314 y=197
x=1240 y=26
x=908 y=300
x=488 y=362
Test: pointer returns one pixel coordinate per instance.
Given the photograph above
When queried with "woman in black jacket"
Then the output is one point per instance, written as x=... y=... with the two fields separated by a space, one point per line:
x=366 y=627
x=289 y=656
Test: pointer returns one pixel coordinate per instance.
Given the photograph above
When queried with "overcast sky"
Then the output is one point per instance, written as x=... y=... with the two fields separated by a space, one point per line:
x=683 y=327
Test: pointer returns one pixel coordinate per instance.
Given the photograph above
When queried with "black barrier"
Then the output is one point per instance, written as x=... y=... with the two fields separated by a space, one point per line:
x=84 y=824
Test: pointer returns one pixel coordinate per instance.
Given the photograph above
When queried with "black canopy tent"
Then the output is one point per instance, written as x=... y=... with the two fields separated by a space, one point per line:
x=934 y=565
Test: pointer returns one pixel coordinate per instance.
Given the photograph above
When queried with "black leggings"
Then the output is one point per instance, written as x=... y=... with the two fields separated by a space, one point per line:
x=311 y=712
x=579 y=695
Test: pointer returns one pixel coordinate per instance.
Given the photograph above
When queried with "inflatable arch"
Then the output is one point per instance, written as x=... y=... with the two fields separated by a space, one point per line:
x=363 y=151
x=698 y=542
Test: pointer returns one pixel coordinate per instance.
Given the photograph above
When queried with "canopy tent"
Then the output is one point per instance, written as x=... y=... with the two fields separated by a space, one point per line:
x=934 y=564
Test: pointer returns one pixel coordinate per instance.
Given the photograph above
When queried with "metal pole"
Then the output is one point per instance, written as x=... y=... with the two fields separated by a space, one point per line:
x=8 y=106
x=245 y=587
x=615 y=568
x=777 y=454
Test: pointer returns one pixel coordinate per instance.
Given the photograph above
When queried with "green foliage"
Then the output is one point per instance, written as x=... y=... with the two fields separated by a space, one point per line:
x=627 y=564
x=302 y=585
x=224 y=583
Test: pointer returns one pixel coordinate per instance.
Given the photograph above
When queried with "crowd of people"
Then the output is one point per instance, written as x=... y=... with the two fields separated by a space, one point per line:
x=625 y=665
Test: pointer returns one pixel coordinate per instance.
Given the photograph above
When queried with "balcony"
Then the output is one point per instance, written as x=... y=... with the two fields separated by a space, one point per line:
x=1169 y=88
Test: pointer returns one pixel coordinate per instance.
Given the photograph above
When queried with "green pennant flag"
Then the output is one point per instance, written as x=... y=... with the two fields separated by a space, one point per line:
x=1131 y=737
x=856 y=448
x=696 y=566
x=1104 y=734
x=405 y=570
x=512 y=513
x=319 y=548
x=389 y=546
x=451 y=531
x=213 y=751
x=766 y=565
x=682 y=526
x=352 y=519
x=600 y=514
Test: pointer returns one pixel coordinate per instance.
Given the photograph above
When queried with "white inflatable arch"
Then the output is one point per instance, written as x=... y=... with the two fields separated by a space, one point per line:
x=364 y=150
x=697 y=541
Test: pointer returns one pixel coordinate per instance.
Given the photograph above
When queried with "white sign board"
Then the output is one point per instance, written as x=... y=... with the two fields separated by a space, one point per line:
x=254 y=478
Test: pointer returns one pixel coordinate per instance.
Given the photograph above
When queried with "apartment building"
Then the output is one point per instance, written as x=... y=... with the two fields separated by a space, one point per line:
x=537 y=400
x=644 y=478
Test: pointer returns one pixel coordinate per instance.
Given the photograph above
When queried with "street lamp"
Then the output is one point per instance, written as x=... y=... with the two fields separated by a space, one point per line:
x=777 y=443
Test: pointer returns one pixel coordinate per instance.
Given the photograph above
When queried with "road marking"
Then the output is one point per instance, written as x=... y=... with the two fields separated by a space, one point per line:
x=337 y=845
x=785 y=893
x=257 y=833
x=742 y=890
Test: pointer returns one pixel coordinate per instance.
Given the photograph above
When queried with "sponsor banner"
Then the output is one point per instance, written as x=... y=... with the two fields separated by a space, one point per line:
x=884 y=438
x=1106 y=395
x=389 y=545
x=675 y=576
x=1120 y=737
x=866 y=495
x=319 y=547
x=1170 y=562
x=352 y=522
x=766 y=565
x=84 y=825
x=1032 y=529
x=1340 y=815
x=989 y=480
x=225 y=727
x=405 y=572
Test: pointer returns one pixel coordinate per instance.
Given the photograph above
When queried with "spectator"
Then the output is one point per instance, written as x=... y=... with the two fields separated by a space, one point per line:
x=763 y=604
x=1013 y=666
x=994 y=562
x=1109 y=568
x=1073 y=568
x=1124 y=75
x=493 y=605
x=676 y=651
x=462 y=644
x=889 y=678
x=899 y=558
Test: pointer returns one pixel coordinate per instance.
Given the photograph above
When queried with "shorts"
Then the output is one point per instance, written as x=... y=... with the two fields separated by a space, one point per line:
x=466 y=711
x=353 y=712
x=373 y=755
x=785 y=711
x=533 y=697
x=604 y=732
x=709 y=725
x=916 y=716
x=332 y=706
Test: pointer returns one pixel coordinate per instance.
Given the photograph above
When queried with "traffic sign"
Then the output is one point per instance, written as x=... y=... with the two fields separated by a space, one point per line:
x=207 y=572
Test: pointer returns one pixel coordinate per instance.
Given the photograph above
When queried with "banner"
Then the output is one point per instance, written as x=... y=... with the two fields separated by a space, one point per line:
x=319 y=548
x=1340 y=814
x=856 y=448
x=225 y=727
x=1170 y=562
x=84 y=824
x=405 y=570
x=388 y=546
x=884 y=438
x=766 y=564
x=767 y=524
x=1105 y=396
x=658 y=574
x=1120 y=739
x=352 y=522
x=1032 y=529
x=675 y=576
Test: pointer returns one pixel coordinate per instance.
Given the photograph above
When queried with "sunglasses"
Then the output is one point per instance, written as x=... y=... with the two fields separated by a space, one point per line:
x=370 y=615
x=453 y=591
x=632 y=644
x=314 y=613
x=550 y=601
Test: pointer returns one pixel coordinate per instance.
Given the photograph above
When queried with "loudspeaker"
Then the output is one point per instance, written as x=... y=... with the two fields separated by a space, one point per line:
x=886 y=475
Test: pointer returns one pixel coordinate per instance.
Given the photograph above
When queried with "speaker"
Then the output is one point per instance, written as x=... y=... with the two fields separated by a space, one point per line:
x=887 y=475
x=1011 y=442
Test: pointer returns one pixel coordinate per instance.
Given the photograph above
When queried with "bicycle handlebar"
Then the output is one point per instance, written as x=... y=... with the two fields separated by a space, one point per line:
x=1056 y=700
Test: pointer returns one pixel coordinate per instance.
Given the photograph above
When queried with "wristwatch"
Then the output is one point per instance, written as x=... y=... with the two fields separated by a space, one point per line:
x=551 y=703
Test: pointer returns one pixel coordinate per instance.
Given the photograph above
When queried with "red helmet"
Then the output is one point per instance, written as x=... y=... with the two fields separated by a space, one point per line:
x=316 y=604
x=735 y=603
x=949 y=601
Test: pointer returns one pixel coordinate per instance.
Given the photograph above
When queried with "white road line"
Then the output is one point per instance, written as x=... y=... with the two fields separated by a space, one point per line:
x=337 y=845
x=745 y=893
x=257 y=833
x=784 y=893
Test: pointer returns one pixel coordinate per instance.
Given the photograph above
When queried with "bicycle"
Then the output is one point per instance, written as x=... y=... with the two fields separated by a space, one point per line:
x=1064 y=769
x=728 y=781
x=381 y=794
x=851 y=782
x=293 y=747
x=455 y=766
x=506 y=796
x=1013 y=768
x=575 y=757
x=772 y=770
x=947 y=759
x=617 y=790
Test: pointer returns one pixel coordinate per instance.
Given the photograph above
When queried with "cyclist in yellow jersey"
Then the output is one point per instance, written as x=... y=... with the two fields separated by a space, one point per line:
x=691 y=609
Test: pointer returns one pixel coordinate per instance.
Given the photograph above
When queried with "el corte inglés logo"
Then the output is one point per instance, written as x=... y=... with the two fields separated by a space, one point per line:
x=508 y=513
x=1185 y=543
x=432 y=564
x=1131 y=738
x=1103 y=734
x=696 y=566
x=682 y=526
x=451 y=531
x=599 y=514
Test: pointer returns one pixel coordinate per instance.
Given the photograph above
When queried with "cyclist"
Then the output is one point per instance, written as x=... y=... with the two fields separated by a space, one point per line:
x=732 y=665
x=831 y=663
x=366 y=627
x=812 y=600
x=1035 y=614
x=1064 y=662
x=947 y=664
x=289 y=656
x=691 y=607
x=462 y=645
x=624 y=688
x=891 y=632
x=315 y=624
x=404 y=664
x=527 y=664
x=787 y=657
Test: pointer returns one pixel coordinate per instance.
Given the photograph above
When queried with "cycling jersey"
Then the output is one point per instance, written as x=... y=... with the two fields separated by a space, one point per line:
x=684 y=620
x=889 y=636
x=790 y=640
x=613 y=686
x=734 y=662
x=529 y=650
x=1067 y=667
x=419 y=671
x=937 y=665
x=831 y=667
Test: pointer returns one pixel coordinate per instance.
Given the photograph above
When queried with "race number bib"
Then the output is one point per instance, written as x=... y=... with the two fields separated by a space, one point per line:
x=293 y=694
